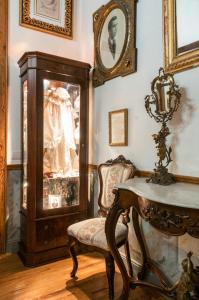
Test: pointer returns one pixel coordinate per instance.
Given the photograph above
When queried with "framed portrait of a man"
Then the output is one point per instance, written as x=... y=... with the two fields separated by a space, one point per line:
x=114 y=39
x=50 y=16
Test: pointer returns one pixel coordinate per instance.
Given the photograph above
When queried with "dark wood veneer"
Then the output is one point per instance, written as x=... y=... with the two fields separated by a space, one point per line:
x=44 y=232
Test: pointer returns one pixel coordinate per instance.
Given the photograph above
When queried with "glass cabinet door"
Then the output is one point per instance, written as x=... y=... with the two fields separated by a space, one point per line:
x=61 y=132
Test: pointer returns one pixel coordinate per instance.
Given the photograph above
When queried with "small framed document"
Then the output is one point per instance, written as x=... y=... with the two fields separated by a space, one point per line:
x=118 y=127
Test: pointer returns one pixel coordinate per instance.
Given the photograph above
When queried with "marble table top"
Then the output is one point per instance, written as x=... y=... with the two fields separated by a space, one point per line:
x=177 y=194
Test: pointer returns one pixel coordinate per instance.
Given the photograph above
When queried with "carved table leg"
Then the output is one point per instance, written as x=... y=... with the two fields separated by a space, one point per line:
x=110 y=271
x=128 y=257
x=135 y=218
x=110 y=227
x=146 y=261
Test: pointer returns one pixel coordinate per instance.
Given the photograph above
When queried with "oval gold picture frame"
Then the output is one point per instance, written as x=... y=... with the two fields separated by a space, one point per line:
x=127 y=60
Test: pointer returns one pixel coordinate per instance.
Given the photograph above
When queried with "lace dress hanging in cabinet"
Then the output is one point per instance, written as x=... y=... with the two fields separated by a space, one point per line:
x=59 y=140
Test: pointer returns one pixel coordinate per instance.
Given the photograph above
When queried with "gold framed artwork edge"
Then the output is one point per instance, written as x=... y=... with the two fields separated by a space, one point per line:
x=127 y=62
x=27 y=22
x=174 y=63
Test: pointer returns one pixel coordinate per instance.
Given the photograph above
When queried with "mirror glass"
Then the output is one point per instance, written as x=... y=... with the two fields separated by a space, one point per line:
x=25 y=144
x=61 y=119
x=187 y=25
x=162 y=92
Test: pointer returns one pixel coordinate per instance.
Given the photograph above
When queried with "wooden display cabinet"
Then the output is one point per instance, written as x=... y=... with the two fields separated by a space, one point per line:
x=55 y=103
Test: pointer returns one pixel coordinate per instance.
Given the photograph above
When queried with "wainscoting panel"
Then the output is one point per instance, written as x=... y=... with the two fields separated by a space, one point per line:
x=13 y=207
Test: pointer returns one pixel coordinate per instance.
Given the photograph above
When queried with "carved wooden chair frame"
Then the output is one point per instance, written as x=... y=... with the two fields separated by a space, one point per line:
x=102 y=212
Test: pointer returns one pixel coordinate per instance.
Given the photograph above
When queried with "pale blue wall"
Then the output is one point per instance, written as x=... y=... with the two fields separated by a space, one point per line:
x=129 y=92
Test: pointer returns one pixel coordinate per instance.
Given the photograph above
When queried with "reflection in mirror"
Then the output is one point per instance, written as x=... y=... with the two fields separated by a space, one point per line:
x=61 y=144
x=25 y=144
x=162 y=91
x=187 y=23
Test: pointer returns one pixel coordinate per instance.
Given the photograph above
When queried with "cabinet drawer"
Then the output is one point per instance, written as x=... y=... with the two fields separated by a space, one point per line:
x=52 y=233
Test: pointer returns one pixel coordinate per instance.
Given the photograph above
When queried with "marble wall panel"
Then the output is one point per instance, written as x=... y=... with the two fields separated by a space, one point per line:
x=13 y=207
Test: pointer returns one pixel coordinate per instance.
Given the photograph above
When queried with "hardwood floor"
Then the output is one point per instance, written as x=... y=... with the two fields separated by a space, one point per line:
x=53 y=282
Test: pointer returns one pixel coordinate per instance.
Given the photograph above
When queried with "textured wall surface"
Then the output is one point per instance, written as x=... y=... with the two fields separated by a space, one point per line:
x=13 y=206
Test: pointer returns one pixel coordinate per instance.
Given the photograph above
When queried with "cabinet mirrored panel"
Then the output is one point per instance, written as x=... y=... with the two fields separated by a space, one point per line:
x=61 y=113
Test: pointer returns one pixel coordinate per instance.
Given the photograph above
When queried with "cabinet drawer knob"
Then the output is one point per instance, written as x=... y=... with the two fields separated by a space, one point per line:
x=45 y=227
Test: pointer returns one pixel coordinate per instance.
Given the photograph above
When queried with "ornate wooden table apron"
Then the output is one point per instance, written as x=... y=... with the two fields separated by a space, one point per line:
x=173 y=210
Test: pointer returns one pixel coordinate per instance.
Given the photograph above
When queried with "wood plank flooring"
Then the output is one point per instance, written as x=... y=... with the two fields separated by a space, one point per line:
x=53 y=282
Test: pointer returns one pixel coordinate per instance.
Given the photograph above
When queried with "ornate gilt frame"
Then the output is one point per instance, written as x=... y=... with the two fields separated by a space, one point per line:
x=3 y=118
x=125 y=133
x=175 y=62
x=127 y=62
x=27 y=21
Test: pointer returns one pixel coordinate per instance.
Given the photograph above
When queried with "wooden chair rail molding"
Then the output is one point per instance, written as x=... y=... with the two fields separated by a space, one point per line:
x=179 y=178
x=141 y=173
x=14 y=167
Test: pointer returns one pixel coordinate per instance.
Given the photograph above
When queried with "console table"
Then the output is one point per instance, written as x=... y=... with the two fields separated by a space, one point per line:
x=173 y=210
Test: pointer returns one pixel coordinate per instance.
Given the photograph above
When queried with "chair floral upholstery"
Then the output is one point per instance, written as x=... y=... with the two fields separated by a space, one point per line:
x=112 y=175
x=91 y=232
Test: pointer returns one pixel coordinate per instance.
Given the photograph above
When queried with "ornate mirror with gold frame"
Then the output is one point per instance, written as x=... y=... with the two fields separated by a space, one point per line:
x=181 y=41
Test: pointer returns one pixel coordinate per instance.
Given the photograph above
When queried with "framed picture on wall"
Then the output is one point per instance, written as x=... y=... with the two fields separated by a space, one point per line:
x=50 y=16
x=114 y=40
x=118 y=127
x=181 y=41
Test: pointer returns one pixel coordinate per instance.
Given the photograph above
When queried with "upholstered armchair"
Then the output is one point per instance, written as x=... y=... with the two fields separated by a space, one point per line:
x=91 y=232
